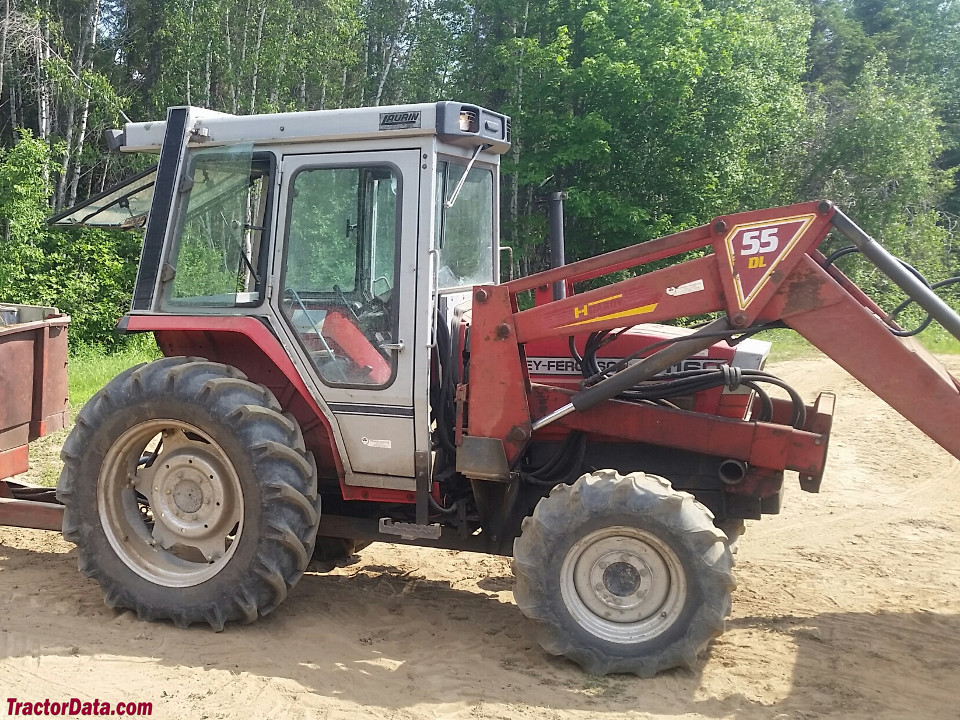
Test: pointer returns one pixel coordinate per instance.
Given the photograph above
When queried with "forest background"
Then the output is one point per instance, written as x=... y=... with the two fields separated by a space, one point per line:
x=654 y=115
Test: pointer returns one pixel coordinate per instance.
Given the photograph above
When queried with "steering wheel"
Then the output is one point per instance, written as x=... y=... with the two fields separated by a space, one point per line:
x=346 y=303
x=369 y=314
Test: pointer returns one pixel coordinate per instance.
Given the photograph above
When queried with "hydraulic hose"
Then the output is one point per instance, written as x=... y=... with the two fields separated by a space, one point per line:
x=647 y=368
x=851 y=249
x=635 y=374
x=919 y=291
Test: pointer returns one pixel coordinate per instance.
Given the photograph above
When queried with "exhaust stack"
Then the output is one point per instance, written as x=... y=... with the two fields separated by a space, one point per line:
x=555 y=216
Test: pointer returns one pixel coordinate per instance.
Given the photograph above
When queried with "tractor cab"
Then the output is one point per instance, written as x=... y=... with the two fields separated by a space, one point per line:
x=339 y=231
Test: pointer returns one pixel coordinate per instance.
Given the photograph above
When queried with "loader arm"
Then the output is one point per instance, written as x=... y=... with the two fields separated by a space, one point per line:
x=758 y=267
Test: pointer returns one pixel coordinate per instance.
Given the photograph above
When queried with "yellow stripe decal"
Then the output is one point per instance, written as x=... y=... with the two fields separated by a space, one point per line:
x=612 y=316
x=606 y=299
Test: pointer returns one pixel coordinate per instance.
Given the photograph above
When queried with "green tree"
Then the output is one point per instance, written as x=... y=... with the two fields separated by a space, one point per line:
x=86 y=273
x=875 y=158
x=917 y=41
x=654 y=116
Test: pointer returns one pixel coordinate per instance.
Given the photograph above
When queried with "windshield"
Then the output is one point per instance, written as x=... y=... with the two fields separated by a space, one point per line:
x=464 y=232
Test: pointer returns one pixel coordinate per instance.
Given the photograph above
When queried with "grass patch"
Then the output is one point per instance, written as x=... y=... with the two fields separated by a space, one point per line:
x=790 y=345
x=91 y=368
x=787 y=345
x=937 y=340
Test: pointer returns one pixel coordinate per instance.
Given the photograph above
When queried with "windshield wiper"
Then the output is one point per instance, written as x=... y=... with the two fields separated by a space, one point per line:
x=463 y=178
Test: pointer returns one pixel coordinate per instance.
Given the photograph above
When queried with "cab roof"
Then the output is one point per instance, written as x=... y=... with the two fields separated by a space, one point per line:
x=453 y=122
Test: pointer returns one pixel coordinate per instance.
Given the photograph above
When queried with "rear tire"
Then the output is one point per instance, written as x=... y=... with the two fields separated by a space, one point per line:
x=623 y=574
x=217 y=522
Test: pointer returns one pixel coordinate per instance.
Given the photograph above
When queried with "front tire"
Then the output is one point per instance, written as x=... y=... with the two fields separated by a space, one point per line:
x=189 y=494
x=623 y=574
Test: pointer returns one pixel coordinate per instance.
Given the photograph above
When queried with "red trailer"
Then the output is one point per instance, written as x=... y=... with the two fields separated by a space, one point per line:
x=33 y=403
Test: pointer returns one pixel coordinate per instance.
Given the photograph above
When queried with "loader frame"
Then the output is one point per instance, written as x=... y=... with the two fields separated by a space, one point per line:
x=793 y=284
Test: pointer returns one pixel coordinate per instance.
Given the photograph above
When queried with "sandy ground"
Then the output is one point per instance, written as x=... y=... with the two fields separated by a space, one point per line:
x=848 y=607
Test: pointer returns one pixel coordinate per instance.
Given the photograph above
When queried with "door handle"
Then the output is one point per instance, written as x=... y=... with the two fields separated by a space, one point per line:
x=396 y=347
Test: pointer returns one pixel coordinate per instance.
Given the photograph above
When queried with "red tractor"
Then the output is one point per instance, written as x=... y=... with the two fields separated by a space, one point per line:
x=342 y=366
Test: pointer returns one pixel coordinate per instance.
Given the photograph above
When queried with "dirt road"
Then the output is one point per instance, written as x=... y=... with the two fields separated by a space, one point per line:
x=848 y=607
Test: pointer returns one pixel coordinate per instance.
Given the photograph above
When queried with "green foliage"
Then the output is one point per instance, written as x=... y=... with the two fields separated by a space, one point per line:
x=910 y=50
x=878 y=144
x=24 y=186
x=876 y=158
x=654 y=115
x=86 y=273
x=238 y=57
x=92 y=367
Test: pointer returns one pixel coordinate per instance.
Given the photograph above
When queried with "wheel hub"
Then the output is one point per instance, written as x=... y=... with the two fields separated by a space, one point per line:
x=179 y=513
x=187 y=494
x=622 y=579
x=623 y=584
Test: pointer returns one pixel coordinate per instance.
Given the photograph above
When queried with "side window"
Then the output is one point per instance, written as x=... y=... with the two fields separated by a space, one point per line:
x=340 y=271
x=220 y=230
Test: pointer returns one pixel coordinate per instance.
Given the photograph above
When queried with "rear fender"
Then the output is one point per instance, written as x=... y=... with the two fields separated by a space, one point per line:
x=247 y=344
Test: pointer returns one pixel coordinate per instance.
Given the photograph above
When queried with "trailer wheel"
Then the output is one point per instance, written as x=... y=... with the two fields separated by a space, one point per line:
x=623 y=574
x=189 y=494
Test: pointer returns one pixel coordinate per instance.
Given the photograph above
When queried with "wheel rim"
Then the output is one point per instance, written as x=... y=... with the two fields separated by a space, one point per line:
x=170 y=503
x=623 y=584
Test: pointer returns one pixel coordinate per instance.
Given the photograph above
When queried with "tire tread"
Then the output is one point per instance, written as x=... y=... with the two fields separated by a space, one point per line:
x=606 y=491
x=286 y=473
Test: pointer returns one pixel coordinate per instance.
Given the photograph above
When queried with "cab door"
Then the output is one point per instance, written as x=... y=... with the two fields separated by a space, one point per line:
x=348 y=297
